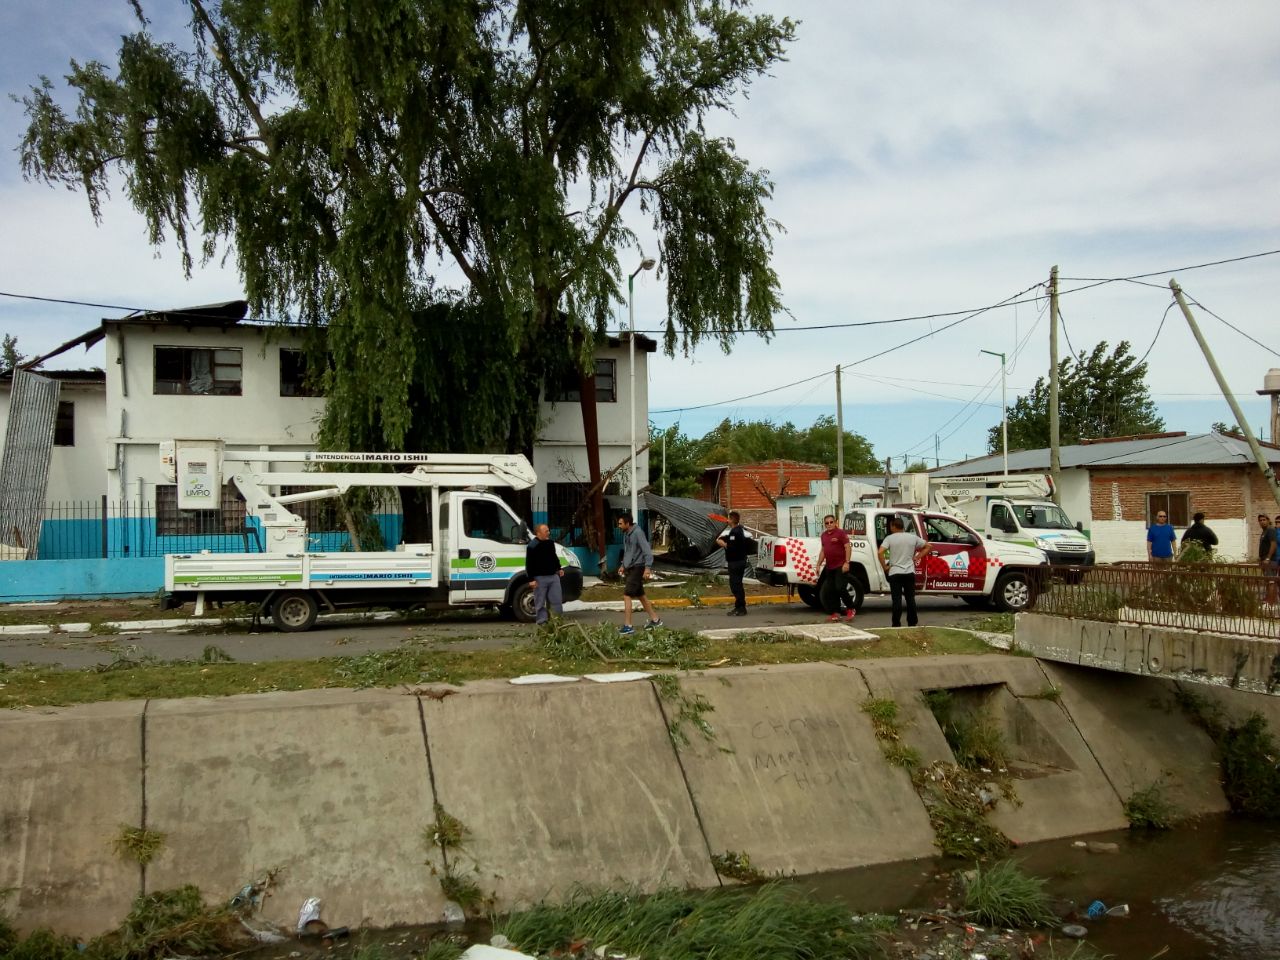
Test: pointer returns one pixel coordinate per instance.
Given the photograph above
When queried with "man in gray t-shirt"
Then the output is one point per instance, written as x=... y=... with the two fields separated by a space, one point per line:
x=899 y=553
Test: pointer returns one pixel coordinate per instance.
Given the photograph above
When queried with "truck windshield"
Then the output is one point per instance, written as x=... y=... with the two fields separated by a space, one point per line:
x=1042 y=516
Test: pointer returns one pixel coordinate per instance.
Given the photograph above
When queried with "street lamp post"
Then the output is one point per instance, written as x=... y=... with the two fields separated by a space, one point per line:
x=647 y=263
x=1004 y=412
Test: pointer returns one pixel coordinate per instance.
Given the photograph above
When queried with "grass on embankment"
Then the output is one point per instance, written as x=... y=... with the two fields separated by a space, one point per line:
x=559 y=651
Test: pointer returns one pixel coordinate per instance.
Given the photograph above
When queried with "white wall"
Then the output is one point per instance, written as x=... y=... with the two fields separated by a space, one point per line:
x=1073 y=496
x=821 y=500
x=1116 y=540
x=75 y=472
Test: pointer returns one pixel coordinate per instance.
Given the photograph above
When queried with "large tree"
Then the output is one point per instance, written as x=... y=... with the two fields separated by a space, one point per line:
x=346 y=152
x=1100 y=394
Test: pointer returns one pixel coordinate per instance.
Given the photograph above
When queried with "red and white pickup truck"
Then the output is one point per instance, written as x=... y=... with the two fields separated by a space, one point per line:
x=960 y=563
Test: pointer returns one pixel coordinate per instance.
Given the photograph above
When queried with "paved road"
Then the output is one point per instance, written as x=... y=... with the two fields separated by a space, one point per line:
x=457 y=630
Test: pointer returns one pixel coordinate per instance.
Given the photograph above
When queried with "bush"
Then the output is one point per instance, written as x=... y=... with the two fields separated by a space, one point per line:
x=1004 y=896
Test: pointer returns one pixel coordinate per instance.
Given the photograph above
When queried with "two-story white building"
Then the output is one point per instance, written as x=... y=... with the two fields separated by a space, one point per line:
x=206 y=373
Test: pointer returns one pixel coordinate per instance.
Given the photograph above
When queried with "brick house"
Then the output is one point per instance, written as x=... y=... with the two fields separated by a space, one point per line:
x=1116 y=486
x=753 y=489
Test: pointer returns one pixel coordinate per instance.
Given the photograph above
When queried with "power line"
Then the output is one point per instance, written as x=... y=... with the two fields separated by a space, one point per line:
x=1160 y=273
x=1070 y=346
x=1233 y=327
x=1157 y=336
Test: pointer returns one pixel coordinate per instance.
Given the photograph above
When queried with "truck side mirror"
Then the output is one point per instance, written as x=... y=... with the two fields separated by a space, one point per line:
x=1080 y=525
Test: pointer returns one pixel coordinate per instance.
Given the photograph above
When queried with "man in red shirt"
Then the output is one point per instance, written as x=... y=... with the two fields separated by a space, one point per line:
x=833 y=568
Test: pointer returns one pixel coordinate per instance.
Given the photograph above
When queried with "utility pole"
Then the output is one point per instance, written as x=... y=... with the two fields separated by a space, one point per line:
x=1268 y=474
x=1055 y=459
x=884 y=500
x=937 y=461
x=839 y=452
x=664 y=463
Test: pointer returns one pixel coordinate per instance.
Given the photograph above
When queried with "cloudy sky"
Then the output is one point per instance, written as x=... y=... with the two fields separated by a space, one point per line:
x=927 y=158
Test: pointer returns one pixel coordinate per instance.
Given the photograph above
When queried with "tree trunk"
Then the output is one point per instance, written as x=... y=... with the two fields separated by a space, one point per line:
x=595 y=528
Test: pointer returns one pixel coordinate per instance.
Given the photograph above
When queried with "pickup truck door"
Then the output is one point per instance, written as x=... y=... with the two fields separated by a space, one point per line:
x=909 y=525
x=957 y=559
x=488 y=548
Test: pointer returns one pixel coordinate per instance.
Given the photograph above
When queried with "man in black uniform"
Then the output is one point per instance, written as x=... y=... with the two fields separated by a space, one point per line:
x=737 y=547
x=1199 y=533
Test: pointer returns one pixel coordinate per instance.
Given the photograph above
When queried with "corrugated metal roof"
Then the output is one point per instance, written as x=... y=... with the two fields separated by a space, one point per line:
x=1193 y=450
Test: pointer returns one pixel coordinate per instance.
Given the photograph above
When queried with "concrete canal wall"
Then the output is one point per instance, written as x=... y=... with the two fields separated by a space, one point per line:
x=558 y=784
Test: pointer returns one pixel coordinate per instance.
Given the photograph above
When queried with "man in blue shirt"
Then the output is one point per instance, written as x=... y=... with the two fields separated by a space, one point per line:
x=1161 y=539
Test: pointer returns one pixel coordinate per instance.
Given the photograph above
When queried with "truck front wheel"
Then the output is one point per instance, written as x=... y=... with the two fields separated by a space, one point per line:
x=1013 y=593
x=294 y=611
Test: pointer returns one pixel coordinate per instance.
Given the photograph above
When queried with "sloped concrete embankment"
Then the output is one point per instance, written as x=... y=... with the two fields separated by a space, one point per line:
x=558 y=785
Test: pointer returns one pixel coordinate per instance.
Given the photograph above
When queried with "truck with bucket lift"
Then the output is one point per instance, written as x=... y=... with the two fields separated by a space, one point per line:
x=1015 y=509
x=475 y=557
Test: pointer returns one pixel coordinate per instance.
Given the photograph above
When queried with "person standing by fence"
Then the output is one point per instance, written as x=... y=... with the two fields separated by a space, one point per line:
x=1161 y=538
x=1268 y=552
x=1199 y=533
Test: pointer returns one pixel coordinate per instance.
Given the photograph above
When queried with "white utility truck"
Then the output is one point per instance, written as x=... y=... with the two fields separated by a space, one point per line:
x=475 y=557
x=960 y=563
x=1015 y=509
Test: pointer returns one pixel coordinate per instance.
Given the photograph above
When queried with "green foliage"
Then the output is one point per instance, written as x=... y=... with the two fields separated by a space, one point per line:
x=884 y=720
x=736 y=866
x=167 y=923
x=772 y=922
x=138 y=843
x=1099 y=395
x=570 y=640
x=1003 y=896
x=440 y=948
x=40 y=945
x=973 y=735
x=689 y=709
x=1150 y=808
x=9 y=355
x=212 y=653
x=348 y=155
x=1248 y=757
x=956 y=801
x=446 y=832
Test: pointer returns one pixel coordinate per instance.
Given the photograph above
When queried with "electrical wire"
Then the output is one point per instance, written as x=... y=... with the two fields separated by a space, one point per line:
x=1157 y=336
x=1232 y=326
x=1063 y=320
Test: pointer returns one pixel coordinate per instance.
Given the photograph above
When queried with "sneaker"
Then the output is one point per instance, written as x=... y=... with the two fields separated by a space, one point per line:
x=834 y=618
x=624 y=631
x=653 y=624
x=741 y=611
x=732 y=612
x=849 y=615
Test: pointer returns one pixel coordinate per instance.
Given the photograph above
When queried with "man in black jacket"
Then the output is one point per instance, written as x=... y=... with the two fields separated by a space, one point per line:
x=737 y=547
x=542 y=563
x=1201 y=534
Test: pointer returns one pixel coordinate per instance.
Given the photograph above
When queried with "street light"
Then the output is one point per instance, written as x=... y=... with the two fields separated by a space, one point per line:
x=648 y=263
x=1004 y=412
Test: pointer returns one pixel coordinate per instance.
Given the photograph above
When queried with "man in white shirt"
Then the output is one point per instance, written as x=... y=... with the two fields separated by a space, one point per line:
x=899 y=554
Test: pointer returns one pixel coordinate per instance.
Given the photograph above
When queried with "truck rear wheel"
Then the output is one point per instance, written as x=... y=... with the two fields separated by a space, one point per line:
x=850 y=585
x=1013 y=592
x=294 y=611
x=809 y=594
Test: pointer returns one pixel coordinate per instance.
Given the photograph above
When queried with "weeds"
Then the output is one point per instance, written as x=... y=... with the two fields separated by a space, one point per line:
x=138 y=843
x=446 y=832
x=884 y=720
x=956 y=801
x=213 y=653
x=1248 y=757
x=1004 y=896
x=103 y=628
x=772 y=922
x=993 y=623
x=973 y=736
x=172 y=922
x=1151 y=809
x=1048 y=693
x=569 y=640
x=736 y=866
x=441 y=948
x=690 y=710
x=463 y=890
x=382 y=668
x=127 y=658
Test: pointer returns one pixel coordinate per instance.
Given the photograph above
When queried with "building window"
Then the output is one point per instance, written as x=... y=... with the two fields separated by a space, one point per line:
x=294 y=381
x=172 y=522
x=64 y=428
x=1176 y=505
x=606 y=385
x=198 y=371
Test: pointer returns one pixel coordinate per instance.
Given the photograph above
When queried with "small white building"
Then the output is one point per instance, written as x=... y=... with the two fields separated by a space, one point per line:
x=801 y=515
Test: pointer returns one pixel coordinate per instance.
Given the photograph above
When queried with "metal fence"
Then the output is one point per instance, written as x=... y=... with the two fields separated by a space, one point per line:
x=1212 y=597
x=91 y=529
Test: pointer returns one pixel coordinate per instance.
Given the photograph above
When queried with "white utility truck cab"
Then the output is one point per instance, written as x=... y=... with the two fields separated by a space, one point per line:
x=475 y=557
x=1015 y=509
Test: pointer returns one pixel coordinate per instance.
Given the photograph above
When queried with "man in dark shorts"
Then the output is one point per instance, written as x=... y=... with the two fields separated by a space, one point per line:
x=833 y=568
x=737 y=544
x=637 y=563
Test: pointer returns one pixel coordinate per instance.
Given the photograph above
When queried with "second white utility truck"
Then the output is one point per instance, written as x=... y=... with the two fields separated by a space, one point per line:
x=475 y=557
x=1015 y=509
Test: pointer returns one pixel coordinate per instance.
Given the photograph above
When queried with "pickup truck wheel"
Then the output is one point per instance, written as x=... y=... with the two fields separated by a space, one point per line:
x=294 y=611
x=1013 y=593
x=809 y=594
x=522 y=602
x=852 y=588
